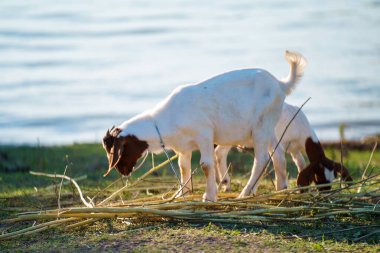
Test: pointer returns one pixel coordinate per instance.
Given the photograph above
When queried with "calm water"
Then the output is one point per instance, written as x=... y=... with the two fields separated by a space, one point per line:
x=71 y=69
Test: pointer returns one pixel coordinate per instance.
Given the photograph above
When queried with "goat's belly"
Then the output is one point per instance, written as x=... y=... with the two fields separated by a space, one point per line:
x=234 y=135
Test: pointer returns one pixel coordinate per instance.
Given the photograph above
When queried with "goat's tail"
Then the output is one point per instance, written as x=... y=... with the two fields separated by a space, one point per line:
x=297 y=65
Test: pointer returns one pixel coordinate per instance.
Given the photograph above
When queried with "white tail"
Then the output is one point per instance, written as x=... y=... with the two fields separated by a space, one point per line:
x=297 y=65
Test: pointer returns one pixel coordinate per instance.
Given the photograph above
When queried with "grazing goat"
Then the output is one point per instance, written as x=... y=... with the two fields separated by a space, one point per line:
x=298 y=138
x=240 y=107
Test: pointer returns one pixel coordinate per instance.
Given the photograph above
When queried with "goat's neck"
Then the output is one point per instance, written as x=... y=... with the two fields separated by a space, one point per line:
x=314 y=150
x=143 y=127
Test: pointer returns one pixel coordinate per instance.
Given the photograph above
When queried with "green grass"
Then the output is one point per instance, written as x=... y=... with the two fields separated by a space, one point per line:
x=20 y=191
x=111 y=236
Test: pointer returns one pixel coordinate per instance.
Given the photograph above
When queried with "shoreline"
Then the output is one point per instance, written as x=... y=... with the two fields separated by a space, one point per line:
x=365 y=144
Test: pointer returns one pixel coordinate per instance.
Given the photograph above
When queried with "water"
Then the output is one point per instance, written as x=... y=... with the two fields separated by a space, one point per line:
x=71 y=69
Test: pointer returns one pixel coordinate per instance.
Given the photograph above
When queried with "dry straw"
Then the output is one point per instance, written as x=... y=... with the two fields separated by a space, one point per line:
x=284 y=206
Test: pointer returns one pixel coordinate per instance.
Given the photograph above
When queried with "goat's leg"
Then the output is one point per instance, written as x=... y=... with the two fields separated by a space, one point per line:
x=208 y=167
x=184 y=162
x=217 y=168
x=299 y=160
x=279 y=164
x=221 y=154
x=260 y=161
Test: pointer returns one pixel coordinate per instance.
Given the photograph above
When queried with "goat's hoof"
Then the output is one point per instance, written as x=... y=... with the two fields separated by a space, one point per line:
x=226 y=188
x=180 y=194
x=208 y=198
x=282 y=188
x=244 y=193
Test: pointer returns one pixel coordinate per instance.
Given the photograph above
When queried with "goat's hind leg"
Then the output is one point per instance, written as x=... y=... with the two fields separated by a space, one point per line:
x=184 y=162
x=279 y=164
x=261 y=146
x=222 y=176
x=298 y=160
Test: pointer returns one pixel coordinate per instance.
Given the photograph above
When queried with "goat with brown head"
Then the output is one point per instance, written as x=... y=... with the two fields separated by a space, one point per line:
x=321 y=170
x=122 y=151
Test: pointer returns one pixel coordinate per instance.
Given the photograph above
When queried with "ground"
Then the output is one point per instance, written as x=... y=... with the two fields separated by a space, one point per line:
x=107 y=236
x=20 y=191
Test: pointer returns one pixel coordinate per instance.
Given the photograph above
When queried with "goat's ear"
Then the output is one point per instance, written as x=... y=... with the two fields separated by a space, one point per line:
x=338 y=168
x=115 y=153
x=106 y=139
x=342 y=171
x=306 y=176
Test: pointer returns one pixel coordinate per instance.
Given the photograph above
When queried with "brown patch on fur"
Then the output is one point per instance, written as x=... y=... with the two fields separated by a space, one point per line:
x=205 y=169
x=123 y=152
x=109 y=138
x=133 y=148
x=111 y=145
x=306 y=176
x=320 y=177
x=315 y=171
x=314 y=151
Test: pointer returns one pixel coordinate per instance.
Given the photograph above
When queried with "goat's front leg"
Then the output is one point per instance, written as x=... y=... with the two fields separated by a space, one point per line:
x=208 y=167
x=298 y=160
x=184 y=162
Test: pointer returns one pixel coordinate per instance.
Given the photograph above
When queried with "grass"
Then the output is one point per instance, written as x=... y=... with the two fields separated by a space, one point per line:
x=20 y=191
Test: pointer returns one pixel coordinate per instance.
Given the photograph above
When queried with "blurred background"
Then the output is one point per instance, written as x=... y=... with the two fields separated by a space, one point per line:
x=71 y=69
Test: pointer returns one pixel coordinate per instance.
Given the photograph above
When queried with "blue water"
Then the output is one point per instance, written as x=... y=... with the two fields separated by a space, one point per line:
x=71 y=69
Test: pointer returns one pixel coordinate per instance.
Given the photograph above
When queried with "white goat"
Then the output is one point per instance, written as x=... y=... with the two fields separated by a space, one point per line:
x=298 y=138
x=239 y=107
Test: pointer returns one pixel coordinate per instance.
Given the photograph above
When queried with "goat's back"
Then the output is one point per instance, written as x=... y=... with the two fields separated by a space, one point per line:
x=232 y=104
x=298 y=131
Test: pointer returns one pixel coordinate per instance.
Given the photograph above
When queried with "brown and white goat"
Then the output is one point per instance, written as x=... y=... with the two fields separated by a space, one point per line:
x=240 y=107
x=321 y=169
x=299 y=138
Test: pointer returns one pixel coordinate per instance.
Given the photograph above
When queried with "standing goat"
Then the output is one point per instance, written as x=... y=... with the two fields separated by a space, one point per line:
x=298 y=138
x=239 y=107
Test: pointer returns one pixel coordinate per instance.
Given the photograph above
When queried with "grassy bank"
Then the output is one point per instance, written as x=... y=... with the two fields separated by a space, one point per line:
x=20 y=191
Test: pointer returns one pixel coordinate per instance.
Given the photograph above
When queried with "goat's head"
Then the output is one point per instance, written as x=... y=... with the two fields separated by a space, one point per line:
x=322 y=173
x=122 y=151
x=321 y=170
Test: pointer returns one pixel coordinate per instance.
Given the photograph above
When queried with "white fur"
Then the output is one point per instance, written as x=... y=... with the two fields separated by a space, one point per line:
x=329 y=174
x=236 y=108
x=293 y=143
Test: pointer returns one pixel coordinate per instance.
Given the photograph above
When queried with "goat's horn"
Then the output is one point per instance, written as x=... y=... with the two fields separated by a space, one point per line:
x=108 y=171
